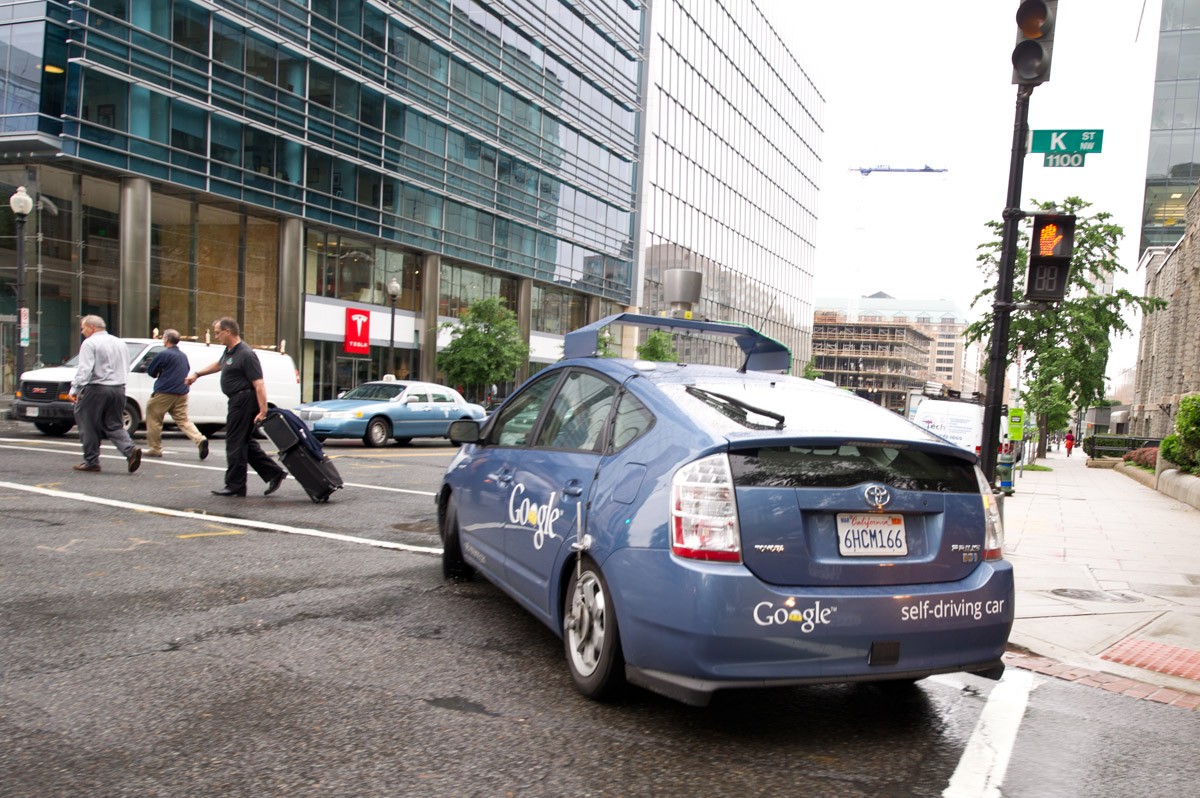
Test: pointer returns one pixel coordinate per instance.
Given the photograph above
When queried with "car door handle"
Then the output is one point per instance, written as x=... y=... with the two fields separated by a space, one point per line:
x=573 y=488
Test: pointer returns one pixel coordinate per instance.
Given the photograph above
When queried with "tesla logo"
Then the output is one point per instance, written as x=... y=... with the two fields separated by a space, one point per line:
x=358 y=332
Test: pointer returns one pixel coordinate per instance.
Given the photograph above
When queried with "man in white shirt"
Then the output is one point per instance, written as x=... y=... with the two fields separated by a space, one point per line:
x=98 y=391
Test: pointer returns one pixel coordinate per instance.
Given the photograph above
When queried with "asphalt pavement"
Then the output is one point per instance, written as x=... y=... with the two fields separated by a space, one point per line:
x=1108 y=581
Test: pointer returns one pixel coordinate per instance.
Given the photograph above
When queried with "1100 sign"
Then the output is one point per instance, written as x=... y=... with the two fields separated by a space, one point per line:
x=1064 y=159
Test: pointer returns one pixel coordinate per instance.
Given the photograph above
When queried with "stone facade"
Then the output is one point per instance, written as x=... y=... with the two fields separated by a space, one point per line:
x=1168 y=364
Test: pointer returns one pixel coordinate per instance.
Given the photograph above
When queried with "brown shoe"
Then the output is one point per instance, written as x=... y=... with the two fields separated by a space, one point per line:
x=86 y=467
x=134 y=459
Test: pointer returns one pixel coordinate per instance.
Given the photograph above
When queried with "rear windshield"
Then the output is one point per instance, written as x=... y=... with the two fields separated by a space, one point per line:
x=852 y=464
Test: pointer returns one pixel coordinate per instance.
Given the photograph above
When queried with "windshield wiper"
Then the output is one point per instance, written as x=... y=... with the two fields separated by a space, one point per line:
x=725 y=405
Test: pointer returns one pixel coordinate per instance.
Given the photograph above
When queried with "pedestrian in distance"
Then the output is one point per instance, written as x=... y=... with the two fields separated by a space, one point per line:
x=242 y=382
x=98 y=392
x=170 y=369
x=1069 y=442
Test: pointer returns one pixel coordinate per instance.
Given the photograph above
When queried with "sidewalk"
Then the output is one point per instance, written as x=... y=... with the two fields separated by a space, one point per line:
x=1108 y=581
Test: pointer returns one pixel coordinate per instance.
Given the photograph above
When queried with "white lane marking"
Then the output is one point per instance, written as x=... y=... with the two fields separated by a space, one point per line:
x=264 y=525
x=980 y=772
x=172 y=462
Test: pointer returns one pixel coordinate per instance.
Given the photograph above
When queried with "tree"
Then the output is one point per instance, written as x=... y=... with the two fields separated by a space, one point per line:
x=486 y=347
x=658 y=347
x=810 y=369
x=1066 y=346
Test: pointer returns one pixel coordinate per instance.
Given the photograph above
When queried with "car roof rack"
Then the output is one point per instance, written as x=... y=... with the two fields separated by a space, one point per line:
x=762 y=353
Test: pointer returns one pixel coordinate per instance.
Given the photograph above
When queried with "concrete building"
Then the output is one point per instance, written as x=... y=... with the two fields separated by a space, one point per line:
x=951 y=361
x=287 y=163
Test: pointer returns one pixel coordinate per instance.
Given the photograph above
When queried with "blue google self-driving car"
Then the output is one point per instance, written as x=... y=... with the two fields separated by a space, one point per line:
x=693 y=528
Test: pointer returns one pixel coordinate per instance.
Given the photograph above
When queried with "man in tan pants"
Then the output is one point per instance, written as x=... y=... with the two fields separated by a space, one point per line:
x=170 y=368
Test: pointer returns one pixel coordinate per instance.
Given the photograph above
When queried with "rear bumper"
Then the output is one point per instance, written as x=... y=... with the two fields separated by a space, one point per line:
x=688 y=629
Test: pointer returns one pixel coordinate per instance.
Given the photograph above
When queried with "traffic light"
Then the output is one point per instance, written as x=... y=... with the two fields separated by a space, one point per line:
x=1035 y=41
x=1050 y=251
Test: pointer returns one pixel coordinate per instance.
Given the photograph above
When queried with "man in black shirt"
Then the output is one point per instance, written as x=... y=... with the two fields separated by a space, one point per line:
x=242 y=382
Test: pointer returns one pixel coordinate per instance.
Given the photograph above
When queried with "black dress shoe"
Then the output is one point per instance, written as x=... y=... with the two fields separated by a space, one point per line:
x=228 y=492
x=274 y=484
x=204 y=449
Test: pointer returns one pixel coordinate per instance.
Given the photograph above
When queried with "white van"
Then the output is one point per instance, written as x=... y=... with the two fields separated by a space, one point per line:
x=961 y=423
x=43 y=396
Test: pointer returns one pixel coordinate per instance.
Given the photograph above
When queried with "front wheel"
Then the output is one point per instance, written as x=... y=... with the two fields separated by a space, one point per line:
x=454 y=566
x=131 y=419
x=55 y=429
x=590 y=637
x=378 y=433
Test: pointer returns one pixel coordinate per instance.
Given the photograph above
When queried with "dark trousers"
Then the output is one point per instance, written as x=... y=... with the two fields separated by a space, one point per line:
x=98 y=415
x=240 y=447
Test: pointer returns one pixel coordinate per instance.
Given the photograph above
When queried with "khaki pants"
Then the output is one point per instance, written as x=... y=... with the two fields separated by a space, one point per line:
x=175 y=404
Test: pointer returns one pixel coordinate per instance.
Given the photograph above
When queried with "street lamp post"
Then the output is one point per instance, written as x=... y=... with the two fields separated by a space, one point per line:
x=21 y=204
x=393 y=289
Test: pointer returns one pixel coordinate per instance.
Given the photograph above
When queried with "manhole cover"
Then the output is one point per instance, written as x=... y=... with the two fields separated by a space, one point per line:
x=1095 y=595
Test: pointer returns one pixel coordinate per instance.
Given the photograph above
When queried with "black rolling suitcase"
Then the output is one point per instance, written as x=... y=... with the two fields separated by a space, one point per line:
x=302 y=454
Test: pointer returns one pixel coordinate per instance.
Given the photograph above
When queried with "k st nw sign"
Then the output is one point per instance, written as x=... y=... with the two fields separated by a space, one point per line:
x=1066 y=147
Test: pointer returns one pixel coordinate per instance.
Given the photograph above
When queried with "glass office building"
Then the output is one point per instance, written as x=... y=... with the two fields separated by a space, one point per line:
x=732 y=143
x=283 y=161
x=287 y=162
x=1173 y=164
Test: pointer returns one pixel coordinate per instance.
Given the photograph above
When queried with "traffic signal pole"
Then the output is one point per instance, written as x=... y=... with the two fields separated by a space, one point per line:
x=1002 y=306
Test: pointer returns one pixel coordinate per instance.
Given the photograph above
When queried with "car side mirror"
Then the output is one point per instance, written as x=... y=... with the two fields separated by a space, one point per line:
x=341 y=394
x=464 y=430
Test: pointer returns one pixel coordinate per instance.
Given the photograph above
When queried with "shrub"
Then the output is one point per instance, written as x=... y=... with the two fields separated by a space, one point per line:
x=1174 y=450
x=1144 y=457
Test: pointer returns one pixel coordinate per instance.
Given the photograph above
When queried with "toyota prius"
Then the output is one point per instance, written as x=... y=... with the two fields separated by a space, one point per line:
x=691 y=528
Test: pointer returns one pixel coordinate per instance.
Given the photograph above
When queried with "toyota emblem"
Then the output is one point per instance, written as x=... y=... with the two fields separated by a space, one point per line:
x=877 y=495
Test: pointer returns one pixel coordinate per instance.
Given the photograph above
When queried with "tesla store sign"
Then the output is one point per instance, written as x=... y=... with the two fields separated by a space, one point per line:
x=358 y=332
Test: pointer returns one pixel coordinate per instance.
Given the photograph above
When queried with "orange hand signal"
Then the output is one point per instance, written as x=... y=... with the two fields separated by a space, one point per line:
x=1048 y=239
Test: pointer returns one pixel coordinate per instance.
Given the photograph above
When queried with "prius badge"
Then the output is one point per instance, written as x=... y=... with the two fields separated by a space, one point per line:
x=877 y=495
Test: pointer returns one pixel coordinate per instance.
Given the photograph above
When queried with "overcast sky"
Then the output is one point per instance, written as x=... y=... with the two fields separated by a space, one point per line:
x=906 y=90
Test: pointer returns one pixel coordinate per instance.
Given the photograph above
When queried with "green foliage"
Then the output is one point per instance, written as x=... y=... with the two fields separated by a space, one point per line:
x=486 y=347
x=605 y=343
x=1144 y=457
x=1066 y=347
x=1183 y=446
x=810 y=369
x=658 y=347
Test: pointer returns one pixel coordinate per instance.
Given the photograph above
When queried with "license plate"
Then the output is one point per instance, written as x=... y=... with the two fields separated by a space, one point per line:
x=871 y=535
x=31 y=411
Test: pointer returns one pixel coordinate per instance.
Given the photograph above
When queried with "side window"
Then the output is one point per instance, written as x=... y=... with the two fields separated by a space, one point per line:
x=514 y=426
x=576 y=419
x=416 y=396
x=632 y=420
x=438 y=396
x=140 y=366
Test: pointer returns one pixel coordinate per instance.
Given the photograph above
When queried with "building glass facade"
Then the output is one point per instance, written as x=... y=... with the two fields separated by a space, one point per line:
x=1173 y=164
x=732 y=142
x=493 y=141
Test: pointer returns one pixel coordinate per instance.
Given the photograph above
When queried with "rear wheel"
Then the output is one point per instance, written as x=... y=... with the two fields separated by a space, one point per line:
x=590 y=637
x=378 y=433
x=454 y=566
x=55 y=429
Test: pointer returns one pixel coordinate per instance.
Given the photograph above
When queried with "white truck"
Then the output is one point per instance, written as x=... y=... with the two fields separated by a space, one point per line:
x=961 y=423
x=42 y=398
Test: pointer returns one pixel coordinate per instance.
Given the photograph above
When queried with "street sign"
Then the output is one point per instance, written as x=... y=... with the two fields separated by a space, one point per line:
x=1016 y=424
x=1067 y=141
x=1064 y=159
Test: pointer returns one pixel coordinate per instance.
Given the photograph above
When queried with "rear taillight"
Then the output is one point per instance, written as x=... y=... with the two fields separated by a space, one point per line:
x=993 y=538
x=704 y=524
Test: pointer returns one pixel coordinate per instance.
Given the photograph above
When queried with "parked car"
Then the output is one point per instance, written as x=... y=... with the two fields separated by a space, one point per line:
x=740 y=528
x=380 y=411
x=43 y=392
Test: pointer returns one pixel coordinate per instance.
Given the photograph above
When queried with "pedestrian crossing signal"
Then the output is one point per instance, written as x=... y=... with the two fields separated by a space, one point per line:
x=1051 y=245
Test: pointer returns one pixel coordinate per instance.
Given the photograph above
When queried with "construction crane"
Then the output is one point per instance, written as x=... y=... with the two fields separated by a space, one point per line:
x=866 y=170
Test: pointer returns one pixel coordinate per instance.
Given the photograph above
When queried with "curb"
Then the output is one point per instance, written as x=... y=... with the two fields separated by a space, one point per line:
x=1105 y=681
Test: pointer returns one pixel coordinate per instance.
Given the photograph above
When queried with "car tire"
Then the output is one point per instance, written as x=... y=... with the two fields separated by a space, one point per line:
x=590 y=637
x=209 y=430
x=404 y=441
x=378 y=433
x=55 y=429
x=454 y=566
x=131 y=419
